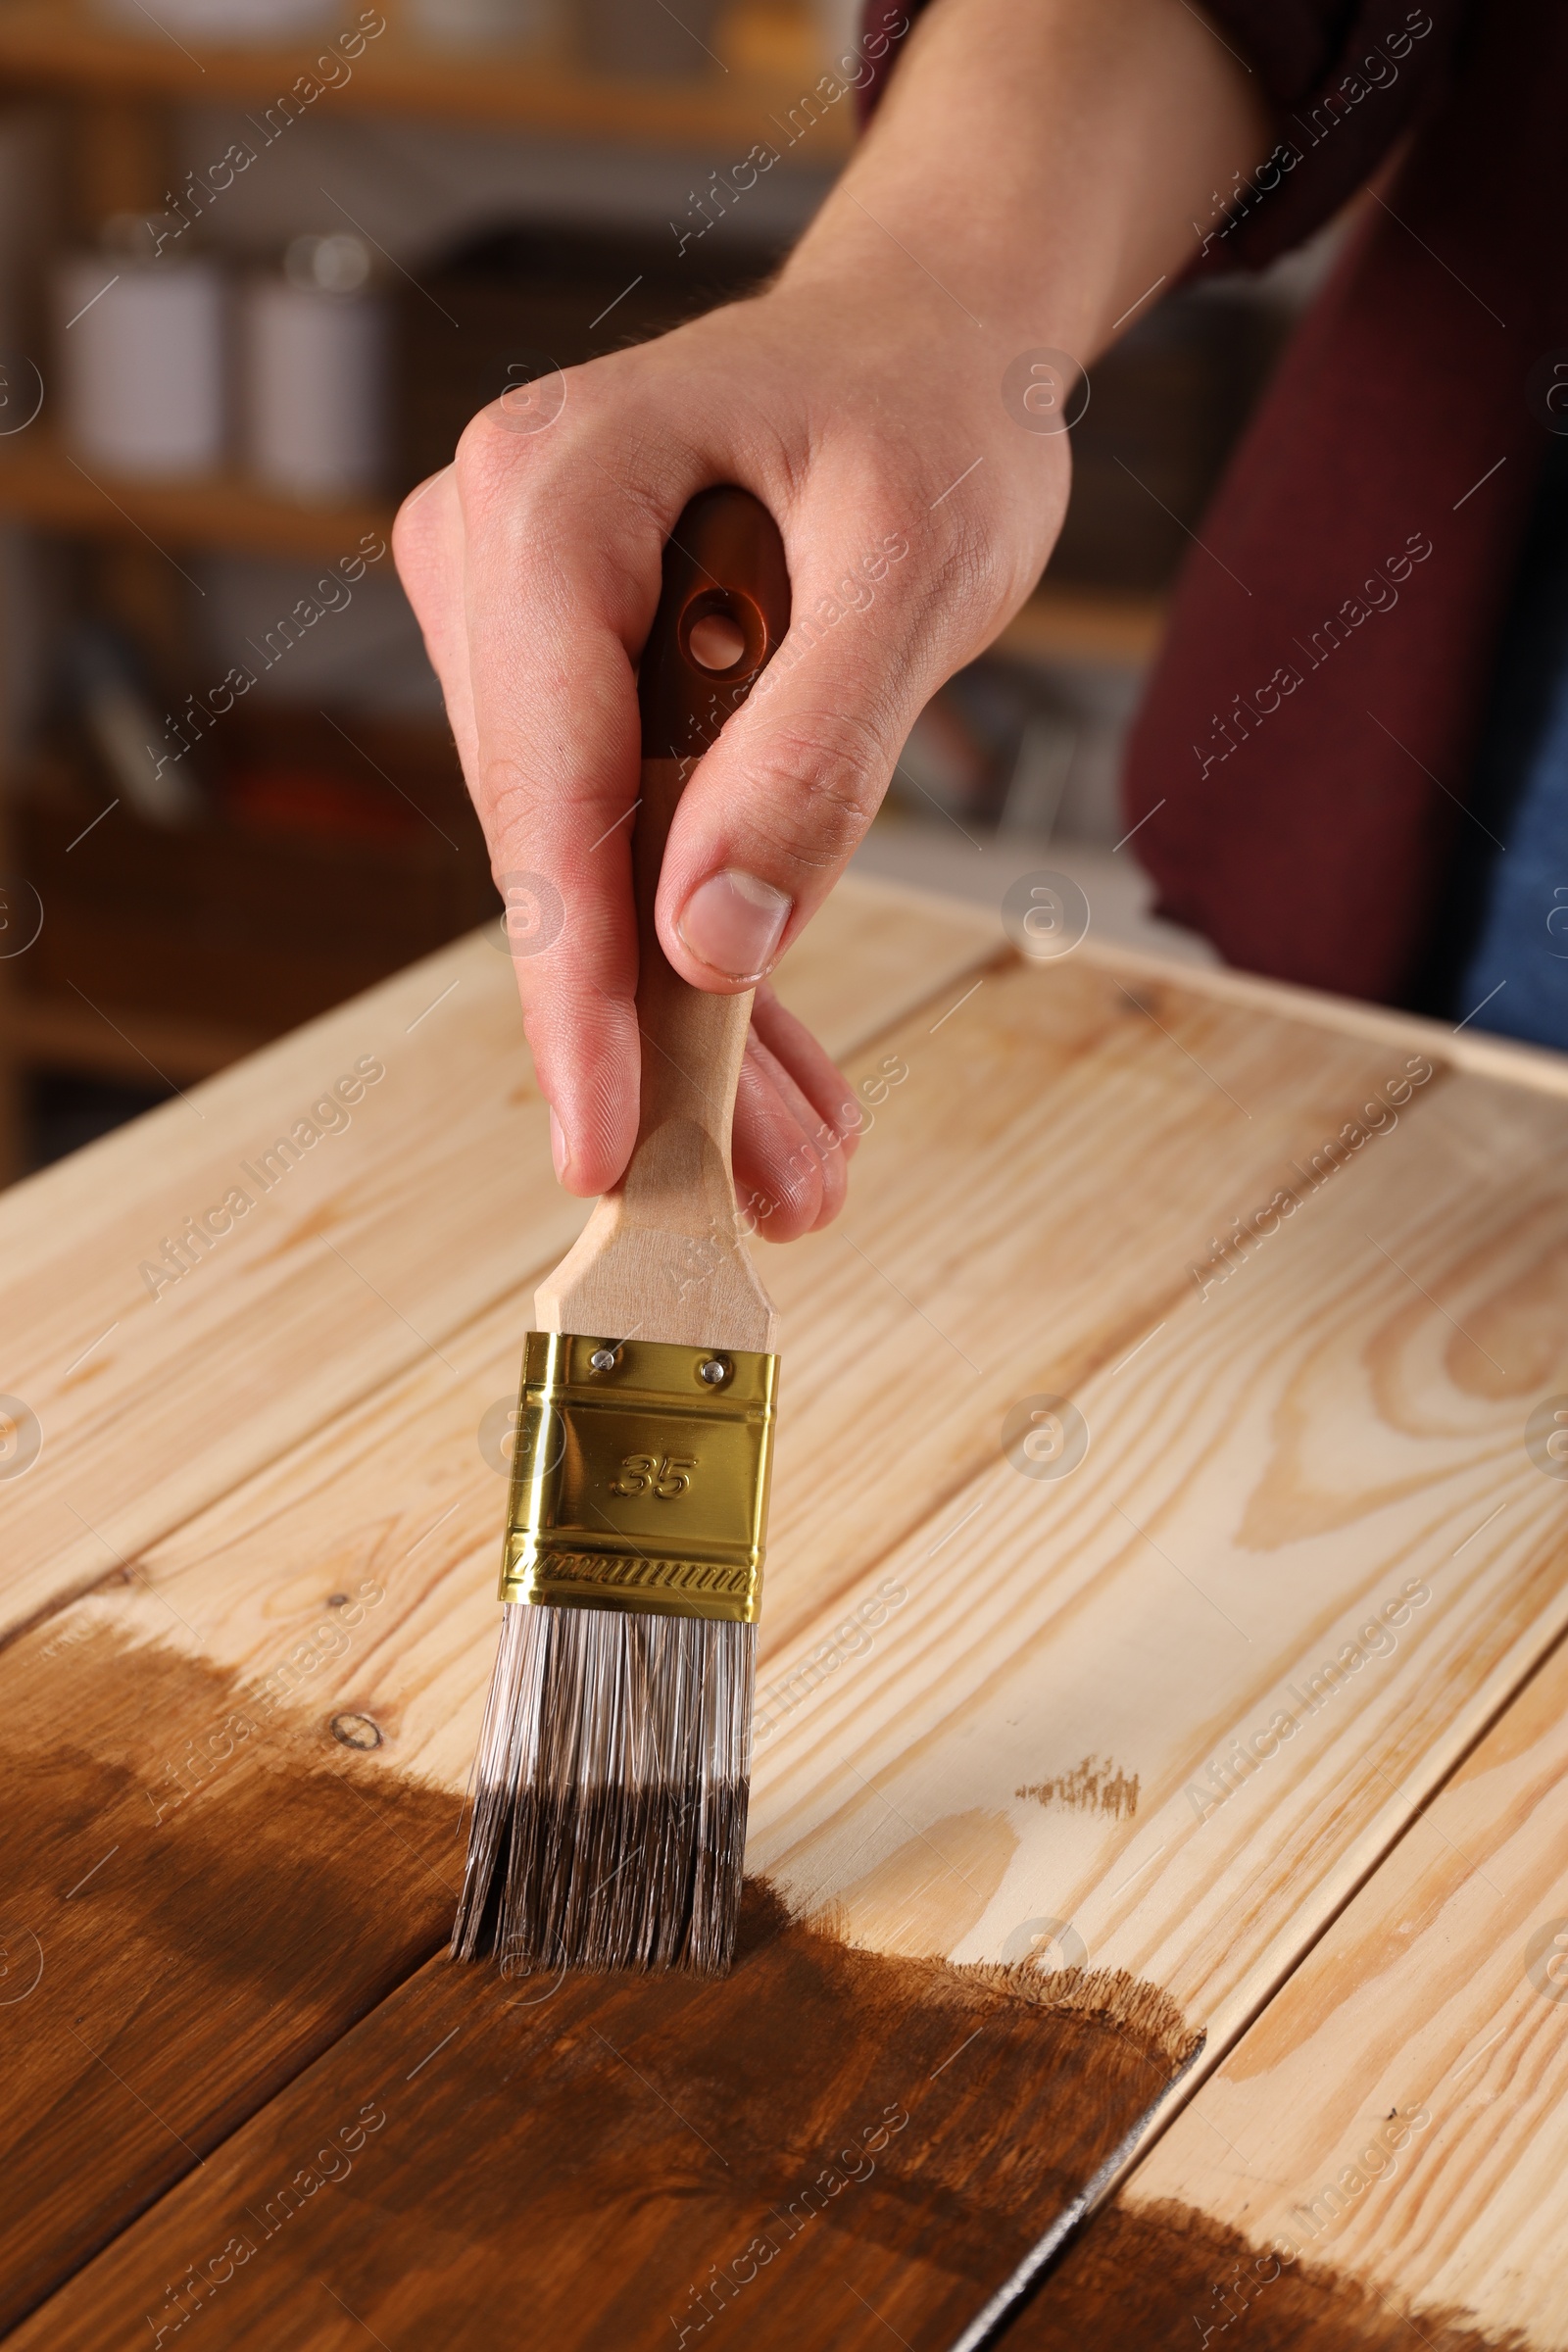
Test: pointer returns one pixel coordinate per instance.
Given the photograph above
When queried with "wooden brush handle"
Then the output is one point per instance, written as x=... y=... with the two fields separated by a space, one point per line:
x=662 y=1255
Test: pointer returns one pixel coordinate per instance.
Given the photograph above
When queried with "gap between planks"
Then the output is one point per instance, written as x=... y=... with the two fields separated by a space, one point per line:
x=1034 y=2274
x=508 y=1292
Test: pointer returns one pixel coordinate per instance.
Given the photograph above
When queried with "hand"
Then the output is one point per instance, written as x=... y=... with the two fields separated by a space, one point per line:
x=534 y=566
x=859 y=399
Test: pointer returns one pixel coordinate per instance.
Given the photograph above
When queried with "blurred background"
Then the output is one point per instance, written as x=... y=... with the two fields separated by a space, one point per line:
x=260 y=260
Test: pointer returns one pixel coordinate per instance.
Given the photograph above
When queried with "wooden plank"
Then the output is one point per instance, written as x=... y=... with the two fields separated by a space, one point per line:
x=1306 y=1448
x=199 y=1891
x=883 y=1422
x=1265 y=1477
x=1383 y=2156
x=422 y=1200
x=1490 y=1056
x=1063 y=1093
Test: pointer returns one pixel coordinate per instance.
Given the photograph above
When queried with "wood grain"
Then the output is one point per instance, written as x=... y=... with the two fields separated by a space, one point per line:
x=422 y=1203
x=1396 y=2125
x=824 y=2145
x=1055 y=1075
x=202 y=1887
x=396 y=1488
x=1265 y=1477
x=1289 y=1508
x=1164 y=2275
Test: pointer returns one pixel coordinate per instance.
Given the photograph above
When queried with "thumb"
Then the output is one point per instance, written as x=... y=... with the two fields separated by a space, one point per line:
x=773 y=811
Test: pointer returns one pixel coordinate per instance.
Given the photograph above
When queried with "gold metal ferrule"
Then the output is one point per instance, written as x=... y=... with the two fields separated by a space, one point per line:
x=639 y=1477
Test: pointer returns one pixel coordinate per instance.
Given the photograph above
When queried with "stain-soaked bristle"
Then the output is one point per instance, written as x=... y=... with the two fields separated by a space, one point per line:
x=610 y=1812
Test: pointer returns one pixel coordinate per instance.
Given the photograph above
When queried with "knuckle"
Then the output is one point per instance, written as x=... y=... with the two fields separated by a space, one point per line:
x=507 y=797
x=818 y=783
x=481 y=452
x=964 y=568
x=422 y=524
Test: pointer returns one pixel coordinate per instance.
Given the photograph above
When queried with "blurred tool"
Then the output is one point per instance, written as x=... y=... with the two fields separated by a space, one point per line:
x=109 y=688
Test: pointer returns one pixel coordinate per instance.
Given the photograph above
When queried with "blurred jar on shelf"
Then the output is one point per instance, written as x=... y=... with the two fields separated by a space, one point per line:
x=140 y=353
x=837 y=24
x=314 y=372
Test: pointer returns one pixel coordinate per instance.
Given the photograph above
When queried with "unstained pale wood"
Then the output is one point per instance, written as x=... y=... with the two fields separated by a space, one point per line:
x=431 y=1197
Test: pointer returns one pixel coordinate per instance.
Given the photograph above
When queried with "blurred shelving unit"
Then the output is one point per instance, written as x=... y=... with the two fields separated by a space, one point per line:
x=41 y=483
x=171 y=954
x=167 y=955
x=67 y=48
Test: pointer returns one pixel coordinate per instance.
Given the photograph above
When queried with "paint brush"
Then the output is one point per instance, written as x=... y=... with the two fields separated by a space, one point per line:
x=608 y=1824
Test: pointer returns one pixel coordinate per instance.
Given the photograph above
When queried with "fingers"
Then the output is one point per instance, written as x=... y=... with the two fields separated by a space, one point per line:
x=428 y=541
x=573 y=945
x=792 y=1137
x=534 y=574
x=534 y=566
x=818 y=1078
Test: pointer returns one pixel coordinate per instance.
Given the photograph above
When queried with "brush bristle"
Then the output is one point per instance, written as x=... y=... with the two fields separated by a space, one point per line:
x=610 y=1813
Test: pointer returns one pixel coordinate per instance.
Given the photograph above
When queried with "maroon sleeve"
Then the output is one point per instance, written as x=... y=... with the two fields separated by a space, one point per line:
x=1342 y=81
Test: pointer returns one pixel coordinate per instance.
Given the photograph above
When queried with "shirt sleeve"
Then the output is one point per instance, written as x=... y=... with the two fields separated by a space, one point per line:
x=1343 y=83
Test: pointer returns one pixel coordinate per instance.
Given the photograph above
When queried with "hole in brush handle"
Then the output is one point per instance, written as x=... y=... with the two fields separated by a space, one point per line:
x=721 y=632
x=724 y=612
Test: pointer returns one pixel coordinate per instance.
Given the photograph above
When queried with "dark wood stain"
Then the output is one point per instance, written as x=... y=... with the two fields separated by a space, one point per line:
x=824 y=2144
x=1143 y=2278
x=190 y=1911
x=1096 y=1785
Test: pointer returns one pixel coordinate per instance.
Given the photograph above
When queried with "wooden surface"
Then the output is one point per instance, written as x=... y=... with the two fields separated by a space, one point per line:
x=1398 y=2119
x=994 y=1906
x=155 y=1397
